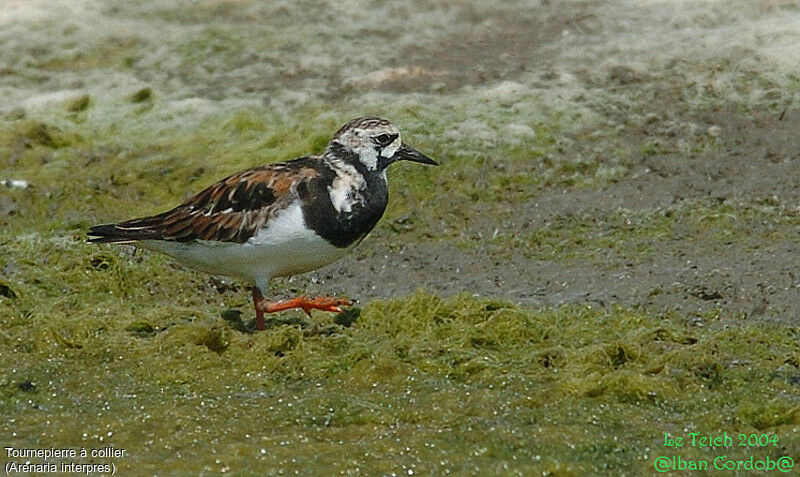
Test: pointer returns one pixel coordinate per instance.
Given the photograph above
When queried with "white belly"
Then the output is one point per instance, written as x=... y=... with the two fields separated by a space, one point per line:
x=285 y=247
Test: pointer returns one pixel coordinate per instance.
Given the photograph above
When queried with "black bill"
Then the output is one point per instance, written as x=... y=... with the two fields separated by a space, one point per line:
x=407 y=153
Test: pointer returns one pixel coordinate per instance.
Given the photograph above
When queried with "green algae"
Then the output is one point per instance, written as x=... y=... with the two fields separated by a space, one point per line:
x=78 y=103
x=435 y=385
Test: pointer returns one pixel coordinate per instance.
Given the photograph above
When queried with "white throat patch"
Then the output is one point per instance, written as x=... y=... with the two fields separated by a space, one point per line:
x=391 y=149
x=344 y=189
x=369 y=157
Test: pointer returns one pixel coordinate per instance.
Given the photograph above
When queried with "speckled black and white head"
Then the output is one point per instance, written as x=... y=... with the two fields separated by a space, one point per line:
x=375 y=143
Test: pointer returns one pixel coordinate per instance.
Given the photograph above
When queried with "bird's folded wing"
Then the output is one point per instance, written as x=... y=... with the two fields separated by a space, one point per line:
x=232 y=210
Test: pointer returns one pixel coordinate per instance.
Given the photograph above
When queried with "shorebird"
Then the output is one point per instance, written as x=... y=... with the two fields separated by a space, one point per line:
x=280 y=219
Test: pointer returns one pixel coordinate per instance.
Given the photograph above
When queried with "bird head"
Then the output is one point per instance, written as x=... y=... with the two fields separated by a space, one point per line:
x=375 y=143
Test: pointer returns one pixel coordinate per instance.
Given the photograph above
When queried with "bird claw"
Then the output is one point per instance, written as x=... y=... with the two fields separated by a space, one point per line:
x=323 y=303
x=307 y=304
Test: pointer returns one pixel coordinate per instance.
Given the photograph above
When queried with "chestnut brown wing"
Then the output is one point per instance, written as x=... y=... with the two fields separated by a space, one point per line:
x=232 y=210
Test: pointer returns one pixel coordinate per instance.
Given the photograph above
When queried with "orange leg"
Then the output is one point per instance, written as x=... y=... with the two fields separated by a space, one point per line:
x=305 y=303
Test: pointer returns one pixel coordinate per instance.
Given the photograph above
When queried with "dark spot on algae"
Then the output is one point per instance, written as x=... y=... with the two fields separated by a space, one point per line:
x=98 y=263
x=65 y=340
x=27 y=386
x=141 y=329
x=619 y=355
x=78 y=103
x=347 y=317
x=144 y=94
x=32 y=133
x=234 y=320
x=215 y=337
x=6 y=291
x=551 y=358
x=37 y=133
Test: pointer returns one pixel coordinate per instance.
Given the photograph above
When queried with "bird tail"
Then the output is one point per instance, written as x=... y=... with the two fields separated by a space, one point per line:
x=124 y=232
x=109 y=233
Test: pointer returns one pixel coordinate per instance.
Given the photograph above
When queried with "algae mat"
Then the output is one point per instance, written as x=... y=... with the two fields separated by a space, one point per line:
x=418 y=386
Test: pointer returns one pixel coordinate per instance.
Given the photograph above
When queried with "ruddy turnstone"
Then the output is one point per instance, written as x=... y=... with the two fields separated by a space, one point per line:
x=280 y=219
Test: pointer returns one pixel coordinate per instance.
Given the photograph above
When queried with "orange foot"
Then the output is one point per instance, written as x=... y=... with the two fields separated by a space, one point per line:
x=307 y=304
x=323 y=303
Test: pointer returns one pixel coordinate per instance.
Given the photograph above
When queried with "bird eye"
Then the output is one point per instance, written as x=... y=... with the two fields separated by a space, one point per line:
x=385 y=139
